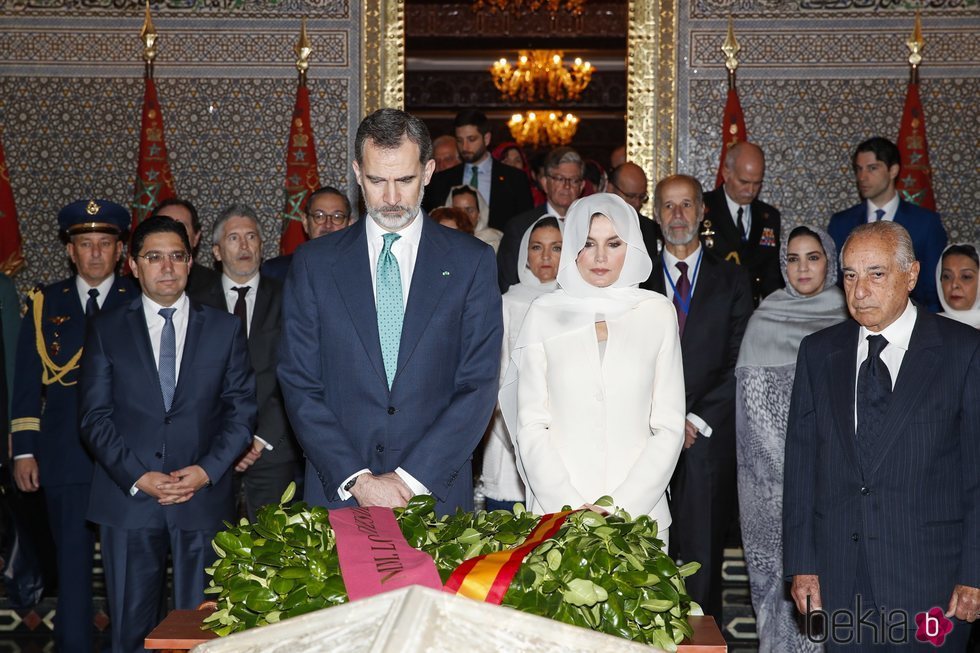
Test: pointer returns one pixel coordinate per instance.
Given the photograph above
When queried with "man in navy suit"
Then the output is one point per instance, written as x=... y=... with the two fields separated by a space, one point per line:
x=877 y=164
x=505 y=189
x=47 y=452
x=881 y=506
x=713 y=299
x=391 y=338
x=167 y=405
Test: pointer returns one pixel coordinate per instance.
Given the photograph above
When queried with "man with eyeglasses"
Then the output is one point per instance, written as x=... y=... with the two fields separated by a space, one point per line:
x=563 y=183
x=47 y=450
x=741 y=228
x=327 y=210
x=256 y=299
x=167 y=405
x=630 y=182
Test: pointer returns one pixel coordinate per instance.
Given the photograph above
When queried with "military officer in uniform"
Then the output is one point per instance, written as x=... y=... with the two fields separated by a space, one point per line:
x=741 y=228
x=47 y=449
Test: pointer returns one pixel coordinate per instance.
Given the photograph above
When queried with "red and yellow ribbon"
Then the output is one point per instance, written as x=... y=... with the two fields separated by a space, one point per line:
x=487 y=577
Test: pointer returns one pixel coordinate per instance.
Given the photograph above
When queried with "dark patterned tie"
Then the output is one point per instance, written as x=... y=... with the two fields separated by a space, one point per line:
x=92 y=305
x=874 y=389
x=741 y=224
x=879 y=214
x=474 y=178
x=682 y=296
x=168 y=357
x=241 y=308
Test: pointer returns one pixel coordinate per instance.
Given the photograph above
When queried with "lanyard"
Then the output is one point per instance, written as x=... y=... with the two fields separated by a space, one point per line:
x=685 y=306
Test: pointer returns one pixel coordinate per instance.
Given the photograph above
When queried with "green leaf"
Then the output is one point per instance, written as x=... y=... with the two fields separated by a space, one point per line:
x=261 y=599
x=604 y=502
x=689 y=569
x=581 y=591
x=298 y=573
x=288 y=495
x=657 y=605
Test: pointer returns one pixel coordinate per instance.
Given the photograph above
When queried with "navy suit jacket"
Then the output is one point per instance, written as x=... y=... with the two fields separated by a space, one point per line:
x=51 y=435
x=333 y=377
x=928 y=238
x=129 y=432
x=510 y=192
x=915 y=506
x=719 y=313
x=277 y=268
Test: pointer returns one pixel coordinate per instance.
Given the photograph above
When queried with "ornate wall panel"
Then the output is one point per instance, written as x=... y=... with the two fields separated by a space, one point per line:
x=817 y=77
x=71 y=90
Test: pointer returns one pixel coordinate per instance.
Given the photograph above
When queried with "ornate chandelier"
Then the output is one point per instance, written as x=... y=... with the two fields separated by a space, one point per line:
x=541 y=75
x=537 y=129
x=519 y=7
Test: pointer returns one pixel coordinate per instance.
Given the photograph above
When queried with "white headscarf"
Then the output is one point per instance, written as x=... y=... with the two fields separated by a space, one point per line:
x=482 y=230
x=530 y=286
x=970 y=316
x=577 y=303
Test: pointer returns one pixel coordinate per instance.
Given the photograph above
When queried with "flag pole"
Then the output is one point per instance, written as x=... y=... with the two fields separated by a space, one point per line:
x=733 y=120
x=731 y=49
x=148 y=34
x=914 y=183
x=915 y=45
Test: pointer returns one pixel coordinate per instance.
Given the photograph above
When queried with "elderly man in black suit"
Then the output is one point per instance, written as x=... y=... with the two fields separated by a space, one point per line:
x=740 y=227
x=881 y=502
x=713 y=299
x=505 y=189
x=274 y=458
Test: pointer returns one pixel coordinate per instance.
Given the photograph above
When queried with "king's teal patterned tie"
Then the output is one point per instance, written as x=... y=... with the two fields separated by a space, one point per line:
x=391 y=308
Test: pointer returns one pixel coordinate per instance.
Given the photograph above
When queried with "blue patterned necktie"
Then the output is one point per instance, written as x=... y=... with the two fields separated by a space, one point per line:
x=879 y=214
x=391 y=308
x=168 y=357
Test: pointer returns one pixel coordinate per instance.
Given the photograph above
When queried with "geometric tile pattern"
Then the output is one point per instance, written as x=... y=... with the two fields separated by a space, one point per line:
x=331 y=9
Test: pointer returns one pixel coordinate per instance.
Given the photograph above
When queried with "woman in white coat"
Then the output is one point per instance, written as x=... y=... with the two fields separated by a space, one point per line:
x=539 y=257
x=598 y=374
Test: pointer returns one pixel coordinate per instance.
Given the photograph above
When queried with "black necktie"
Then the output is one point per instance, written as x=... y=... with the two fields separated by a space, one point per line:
x=874 y=388
x=92 y=305
x=241 y=310
x=741 y=224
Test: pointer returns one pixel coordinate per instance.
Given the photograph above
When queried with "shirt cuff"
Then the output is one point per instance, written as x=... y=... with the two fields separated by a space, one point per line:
x=24 y=455
x=411 y=482
x=264 y=443
x=699 y=424
x=133 y=490
x=344 y=494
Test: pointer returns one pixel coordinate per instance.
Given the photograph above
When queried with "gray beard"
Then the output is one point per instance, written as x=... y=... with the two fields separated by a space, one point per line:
x=396 y=222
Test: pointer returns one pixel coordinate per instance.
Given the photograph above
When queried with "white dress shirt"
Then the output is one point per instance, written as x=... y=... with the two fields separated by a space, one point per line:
x=693 y=272
x=405 y=250
x=890 y=208
x=733 y=208
x=898 y=334
x=82 y=287
x=231 y=297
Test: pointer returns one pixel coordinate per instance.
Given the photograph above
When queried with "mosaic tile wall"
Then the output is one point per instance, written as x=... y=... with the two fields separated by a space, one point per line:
x=71 y=90
x=816 y=78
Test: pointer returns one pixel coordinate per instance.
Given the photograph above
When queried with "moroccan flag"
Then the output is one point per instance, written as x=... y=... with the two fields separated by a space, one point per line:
x=11 y=254
x=915 y=182
x=732 y=129
x=302 y=177
x=154 y=182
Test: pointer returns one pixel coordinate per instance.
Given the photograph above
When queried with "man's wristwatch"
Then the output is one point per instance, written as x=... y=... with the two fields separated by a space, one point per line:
x=349 y=484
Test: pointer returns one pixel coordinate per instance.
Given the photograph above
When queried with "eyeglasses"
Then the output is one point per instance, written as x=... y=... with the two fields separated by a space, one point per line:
x=565 y=181
x=156 y=258
x=337 y=218
x=641 y=197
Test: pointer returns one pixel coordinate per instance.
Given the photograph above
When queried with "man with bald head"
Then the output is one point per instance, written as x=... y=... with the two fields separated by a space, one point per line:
x=630 y=182
x=739 y=227
x=881 y=498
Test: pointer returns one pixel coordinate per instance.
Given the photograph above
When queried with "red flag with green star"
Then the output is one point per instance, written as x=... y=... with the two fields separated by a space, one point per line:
x=732 y=129
x=11 y=252
x=154 y=182
x=302 y=177
x=914 y=183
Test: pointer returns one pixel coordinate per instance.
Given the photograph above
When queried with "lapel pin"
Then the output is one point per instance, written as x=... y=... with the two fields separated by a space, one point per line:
x=445 y=273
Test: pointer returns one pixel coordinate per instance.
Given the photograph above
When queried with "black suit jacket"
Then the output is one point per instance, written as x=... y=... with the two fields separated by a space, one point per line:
x=720 y=310
x=759 y=255
x=915 y=505
x=263 y=353
x=510 y=192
